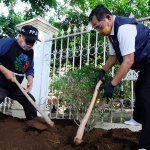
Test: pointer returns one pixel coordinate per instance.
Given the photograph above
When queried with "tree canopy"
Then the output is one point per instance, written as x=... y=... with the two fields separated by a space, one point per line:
x=8 y=24
x=70 y=13
x=77 y=11
x=140 y=8
x=39 y=7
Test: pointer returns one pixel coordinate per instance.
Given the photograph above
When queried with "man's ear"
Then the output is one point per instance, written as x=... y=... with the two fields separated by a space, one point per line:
x=108 y=16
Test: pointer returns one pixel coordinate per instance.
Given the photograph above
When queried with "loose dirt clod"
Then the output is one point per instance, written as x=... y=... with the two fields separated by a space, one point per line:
x=37 y=123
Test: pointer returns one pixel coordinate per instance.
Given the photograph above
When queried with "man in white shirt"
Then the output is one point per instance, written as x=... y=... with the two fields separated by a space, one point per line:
x=129 y=43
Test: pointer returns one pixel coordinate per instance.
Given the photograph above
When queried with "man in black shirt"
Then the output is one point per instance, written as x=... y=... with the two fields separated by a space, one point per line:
x=16 y=58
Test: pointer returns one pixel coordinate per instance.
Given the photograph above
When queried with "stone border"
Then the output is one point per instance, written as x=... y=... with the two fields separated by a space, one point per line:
x=108 y=126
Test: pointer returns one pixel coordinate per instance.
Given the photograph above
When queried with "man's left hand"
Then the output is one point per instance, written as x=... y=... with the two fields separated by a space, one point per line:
x=29 y=86
x=30 y=83
x=108 y=90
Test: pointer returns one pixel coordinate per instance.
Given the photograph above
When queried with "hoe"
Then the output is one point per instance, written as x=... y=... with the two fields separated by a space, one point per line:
x=78 y=138
x=48 y=121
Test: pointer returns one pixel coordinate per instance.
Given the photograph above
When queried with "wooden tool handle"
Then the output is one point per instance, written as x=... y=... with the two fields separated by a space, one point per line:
x=48 y=121
x=78 y=138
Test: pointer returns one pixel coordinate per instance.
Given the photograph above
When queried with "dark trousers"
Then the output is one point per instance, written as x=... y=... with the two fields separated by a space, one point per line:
x=16 y=94
x=142 y=107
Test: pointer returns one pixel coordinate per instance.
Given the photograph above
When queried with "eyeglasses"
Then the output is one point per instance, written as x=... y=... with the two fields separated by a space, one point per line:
x=98 y=28
x=28 y=42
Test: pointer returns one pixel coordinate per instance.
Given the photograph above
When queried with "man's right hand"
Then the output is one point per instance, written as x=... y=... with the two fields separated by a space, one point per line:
x=100 y=76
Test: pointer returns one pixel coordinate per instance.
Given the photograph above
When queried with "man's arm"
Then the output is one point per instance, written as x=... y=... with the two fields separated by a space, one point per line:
x=5 y=44
x=126 y=37
x=30 y=76
x=110 y=62
x=7 y=73
x=30 y=83
x=30 y=70
x=128 y=60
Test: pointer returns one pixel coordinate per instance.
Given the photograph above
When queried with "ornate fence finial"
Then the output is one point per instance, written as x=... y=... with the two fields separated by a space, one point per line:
x=82 y=28
x=56 y=34
x=131 y=15
x=68 y=31
x=89 y=27
x=75 y=29
x=62 y=32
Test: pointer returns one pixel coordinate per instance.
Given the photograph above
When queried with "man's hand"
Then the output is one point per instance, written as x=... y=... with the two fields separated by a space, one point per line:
x=30 y=83
x=108 y=90
x=100 y=76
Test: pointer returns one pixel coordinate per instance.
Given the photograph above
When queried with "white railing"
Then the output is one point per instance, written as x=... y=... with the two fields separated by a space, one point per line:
x=75 y=51
x=6 y=105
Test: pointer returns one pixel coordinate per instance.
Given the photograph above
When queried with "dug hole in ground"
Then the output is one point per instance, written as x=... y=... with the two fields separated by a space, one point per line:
x=18 y=134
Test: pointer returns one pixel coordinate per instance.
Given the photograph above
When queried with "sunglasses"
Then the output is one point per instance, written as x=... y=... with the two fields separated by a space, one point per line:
x=29 y=42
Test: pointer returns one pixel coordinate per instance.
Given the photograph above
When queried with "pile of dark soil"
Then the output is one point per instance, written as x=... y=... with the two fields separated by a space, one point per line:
x=18 y=134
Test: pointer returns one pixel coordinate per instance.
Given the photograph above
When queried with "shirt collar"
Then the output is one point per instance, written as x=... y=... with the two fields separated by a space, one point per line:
x=112 y=30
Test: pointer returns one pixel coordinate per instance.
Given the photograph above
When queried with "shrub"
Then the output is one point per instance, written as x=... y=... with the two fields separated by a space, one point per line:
x=78 y=88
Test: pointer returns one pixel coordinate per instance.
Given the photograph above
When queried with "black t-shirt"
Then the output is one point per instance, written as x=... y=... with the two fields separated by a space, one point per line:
x=17 y=60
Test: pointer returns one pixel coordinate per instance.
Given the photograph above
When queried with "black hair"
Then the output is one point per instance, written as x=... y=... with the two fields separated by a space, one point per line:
x=99 y=11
